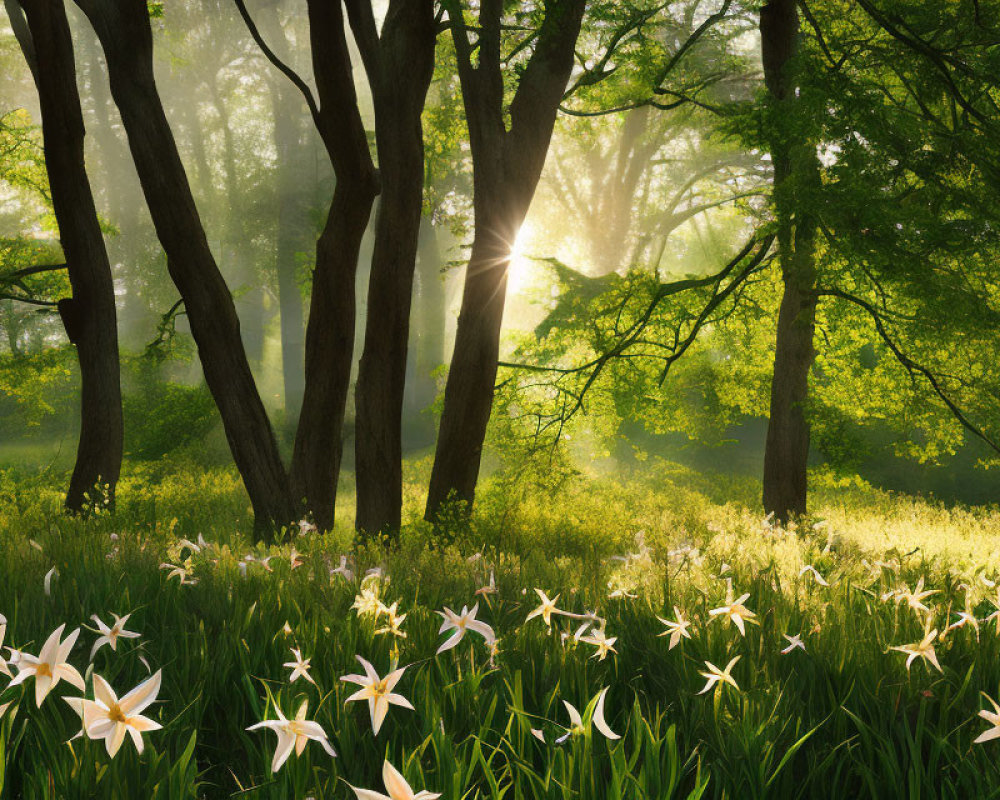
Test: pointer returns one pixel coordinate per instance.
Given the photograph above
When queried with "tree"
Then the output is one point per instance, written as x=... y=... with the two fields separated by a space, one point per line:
x=795 y=174
x=399 y=63
x=89 y=316
x=507 y=164
x=124 y=31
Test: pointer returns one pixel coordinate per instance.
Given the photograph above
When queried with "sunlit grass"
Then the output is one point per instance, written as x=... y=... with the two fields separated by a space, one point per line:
x=840 y=714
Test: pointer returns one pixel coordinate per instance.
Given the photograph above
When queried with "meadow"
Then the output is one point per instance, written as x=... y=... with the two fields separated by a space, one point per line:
x=660 y=594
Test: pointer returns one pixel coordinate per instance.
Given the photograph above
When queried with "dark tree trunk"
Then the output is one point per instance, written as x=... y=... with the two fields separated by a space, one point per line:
x=401 y=65
x=125 y=34
x=787 y=447
x=90 y=316
x=507 y=165
x=330 y=332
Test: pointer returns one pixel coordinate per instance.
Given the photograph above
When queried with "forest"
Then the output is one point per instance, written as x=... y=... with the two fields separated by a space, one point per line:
x=605 y=391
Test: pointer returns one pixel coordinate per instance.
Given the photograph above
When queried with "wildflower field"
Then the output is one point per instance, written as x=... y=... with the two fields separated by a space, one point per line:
x=609 y=642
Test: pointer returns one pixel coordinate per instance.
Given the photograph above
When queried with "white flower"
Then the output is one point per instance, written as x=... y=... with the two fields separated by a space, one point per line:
x=111 y=635
x=47 y=581
x=4 y=669
x=546 y=609
x=395 y=785
x=676 y=629
x=720 y=676
x=576 y=721
x=815 y=573
x=490 y=588
x=923 y=649
x=992 y=717
x=460 y=623
x=377 y=691
x=50 y=666
x=294 y=733
x=734 y=610
x=793 y=642
x=343 y=570
x=299 y=667
x=602 y=642
x=108 y=718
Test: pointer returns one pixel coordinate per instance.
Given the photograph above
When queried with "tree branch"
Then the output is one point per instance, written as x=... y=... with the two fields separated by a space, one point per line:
x=282 y=67
x=910 y=365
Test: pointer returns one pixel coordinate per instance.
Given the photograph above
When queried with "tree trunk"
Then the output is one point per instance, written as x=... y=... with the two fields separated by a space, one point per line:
x=400 y=77
x=507 y=164
x=473 y=369
x=787 y=447
x=329 y=352
x=125 y=34
x=90 y=316
x=330 y=332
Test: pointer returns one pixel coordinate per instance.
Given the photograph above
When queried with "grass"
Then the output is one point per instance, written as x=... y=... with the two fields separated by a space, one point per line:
x=845 y=718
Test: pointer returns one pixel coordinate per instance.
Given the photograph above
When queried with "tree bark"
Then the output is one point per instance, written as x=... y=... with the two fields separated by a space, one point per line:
x=400 y=65
x=124 y=31
x=90 y=316
x=330 y=332
x=507 y=165
x=787 y=446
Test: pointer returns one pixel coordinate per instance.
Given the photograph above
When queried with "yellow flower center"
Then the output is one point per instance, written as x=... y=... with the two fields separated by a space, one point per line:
x=116 y=714
x=43 y=669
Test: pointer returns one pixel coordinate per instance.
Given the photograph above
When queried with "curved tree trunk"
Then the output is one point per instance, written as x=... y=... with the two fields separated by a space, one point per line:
x=507 y=165
x=330 y=331
x=124 y=31
x=402 y=66
x=89 y=317
x=787 y=447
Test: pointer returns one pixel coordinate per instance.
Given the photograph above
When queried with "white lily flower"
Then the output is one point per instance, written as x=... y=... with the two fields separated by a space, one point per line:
x=576 y=721
x=50 y=666
x=815 y=573
x=923 y=649
x=47 y=581
x=395 y=785
x=720 y=676
x=793 y=642
x=992 y=717
x=299 y=667
x=676 y=629
x=4 y=669
x=602 y=642
x=546 y=609
x=490 y=588
x=108 y=718
x=343 y=570
x=734 y=610
x=460 y=623
x=915 y=598
x=294 y=734
x=110 y=636
x=377 y=691
x=393 y=620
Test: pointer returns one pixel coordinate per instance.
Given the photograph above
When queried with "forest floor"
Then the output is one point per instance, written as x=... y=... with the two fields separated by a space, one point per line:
x=803 y=639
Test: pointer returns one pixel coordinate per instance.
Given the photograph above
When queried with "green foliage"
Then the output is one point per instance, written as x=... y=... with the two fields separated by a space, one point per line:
x=161 y=416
